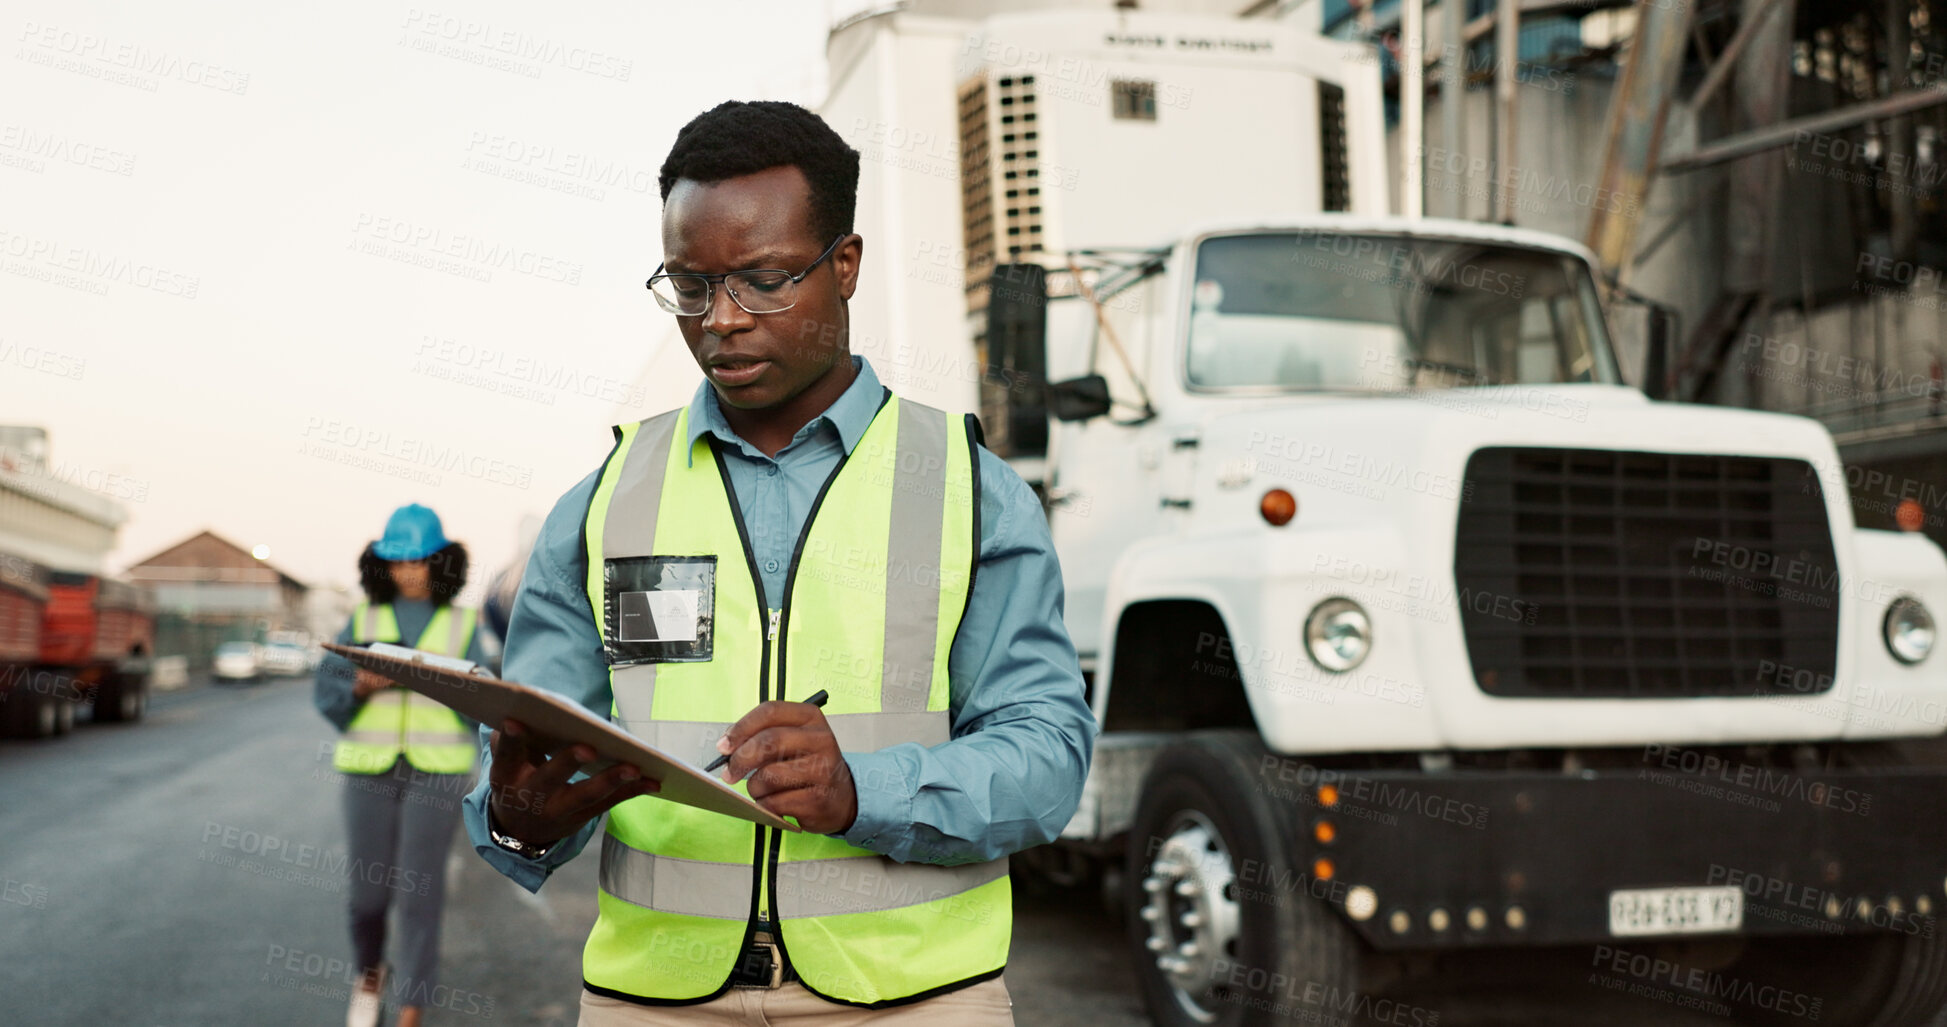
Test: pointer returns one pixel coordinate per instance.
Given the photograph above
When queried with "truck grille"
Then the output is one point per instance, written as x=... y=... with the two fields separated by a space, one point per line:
x=1601 y=574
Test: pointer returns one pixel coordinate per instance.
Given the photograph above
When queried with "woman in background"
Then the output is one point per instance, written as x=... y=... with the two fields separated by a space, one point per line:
x=407 y=761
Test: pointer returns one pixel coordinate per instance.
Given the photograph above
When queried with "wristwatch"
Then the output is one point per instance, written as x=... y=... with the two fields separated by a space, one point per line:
x=513 y=844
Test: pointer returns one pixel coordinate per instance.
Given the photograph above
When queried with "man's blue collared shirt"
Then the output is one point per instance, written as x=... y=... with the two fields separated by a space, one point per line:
x=1010 y=777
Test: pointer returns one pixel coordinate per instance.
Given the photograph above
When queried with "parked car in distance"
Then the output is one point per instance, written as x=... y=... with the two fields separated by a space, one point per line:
x=282 y=659
x=238 y=661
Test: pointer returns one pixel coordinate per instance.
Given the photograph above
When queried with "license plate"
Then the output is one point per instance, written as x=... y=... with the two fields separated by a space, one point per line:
x=1636 y=912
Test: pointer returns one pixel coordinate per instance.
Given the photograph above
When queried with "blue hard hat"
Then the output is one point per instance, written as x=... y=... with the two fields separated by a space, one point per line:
x=411 y=533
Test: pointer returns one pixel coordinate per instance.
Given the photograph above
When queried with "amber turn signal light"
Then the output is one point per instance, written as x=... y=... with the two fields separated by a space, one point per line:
x=1278 y=507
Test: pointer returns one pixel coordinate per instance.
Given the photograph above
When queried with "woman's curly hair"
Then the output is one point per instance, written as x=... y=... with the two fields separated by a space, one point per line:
x=448 y=570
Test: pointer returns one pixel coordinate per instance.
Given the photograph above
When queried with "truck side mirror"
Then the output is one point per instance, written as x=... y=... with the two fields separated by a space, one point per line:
x=1079 y=399
x=1017 y=359
x=1659 y=337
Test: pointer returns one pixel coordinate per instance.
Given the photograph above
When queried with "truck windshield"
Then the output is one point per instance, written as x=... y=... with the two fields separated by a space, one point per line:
x=1385 y=313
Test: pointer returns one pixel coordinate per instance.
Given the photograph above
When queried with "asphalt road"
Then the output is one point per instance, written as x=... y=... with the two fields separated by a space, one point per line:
x=178 y=872
x=135 y=888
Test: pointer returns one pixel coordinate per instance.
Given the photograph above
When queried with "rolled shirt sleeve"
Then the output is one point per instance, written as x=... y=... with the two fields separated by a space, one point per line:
x=1011 y=776
x=331 y=690
x=551 y=644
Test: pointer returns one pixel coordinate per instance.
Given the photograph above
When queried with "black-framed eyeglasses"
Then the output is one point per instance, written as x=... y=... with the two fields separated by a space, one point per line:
x=760 y=291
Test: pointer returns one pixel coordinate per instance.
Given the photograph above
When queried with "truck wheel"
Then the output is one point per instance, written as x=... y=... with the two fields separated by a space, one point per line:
x=121 y=699
x=1891 y=978
x=1919 y=965
x=135 y=699
x=1221 y=916
x=63 y=715
x=40 y=716
x=1874 y=980
x=1913 y=957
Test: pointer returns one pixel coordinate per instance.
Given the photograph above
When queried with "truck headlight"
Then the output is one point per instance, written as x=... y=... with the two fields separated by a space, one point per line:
x=1908 y=630
x=1338 y=634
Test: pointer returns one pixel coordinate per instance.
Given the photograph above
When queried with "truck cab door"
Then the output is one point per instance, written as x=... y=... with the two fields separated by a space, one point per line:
x=1111 y=478
x=1105 y=492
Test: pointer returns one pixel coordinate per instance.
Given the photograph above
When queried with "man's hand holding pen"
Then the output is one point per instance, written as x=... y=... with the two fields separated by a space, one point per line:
x=793 y=763
x=786 y=749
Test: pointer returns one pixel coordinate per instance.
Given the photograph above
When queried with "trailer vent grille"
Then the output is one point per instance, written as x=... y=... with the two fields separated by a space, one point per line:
x=1603 y=574
x=976 y=183
x=1133 y=100
x=1019 y=126
x=1335 y=174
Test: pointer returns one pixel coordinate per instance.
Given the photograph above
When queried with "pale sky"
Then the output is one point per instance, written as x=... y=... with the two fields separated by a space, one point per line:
x=273 y=271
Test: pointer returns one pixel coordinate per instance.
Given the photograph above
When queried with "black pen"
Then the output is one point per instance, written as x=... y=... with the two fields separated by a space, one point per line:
x=815 y=699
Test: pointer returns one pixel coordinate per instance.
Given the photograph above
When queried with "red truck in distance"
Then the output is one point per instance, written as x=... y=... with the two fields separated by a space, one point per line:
x=68 y=639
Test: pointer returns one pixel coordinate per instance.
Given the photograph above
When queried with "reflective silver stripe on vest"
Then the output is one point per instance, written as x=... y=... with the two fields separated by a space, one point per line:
x=695 y=741
x=629 y=529
x=386 y=698
x=690 y=741
x=390 y=738
x=913 y=572
x=439 y=738
x=455 y=624
x=872 y=884
x=820 y=887
x=686 y=887
x=371 y=628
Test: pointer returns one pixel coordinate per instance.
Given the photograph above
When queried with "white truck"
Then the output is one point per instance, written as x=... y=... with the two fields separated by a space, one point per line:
x=1415 y=634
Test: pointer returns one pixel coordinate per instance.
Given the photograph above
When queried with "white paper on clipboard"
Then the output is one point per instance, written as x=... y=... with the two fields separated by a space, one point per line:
x=490 y=700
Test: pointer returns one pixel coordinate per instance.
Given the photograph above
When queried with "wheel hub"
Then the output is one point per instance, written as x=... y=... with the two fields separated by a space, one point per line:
x=1191 y=908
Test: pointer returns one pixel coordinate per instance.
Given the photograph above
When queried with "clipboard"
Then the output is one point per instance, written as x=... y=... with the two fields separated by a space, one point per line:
x=490 y=700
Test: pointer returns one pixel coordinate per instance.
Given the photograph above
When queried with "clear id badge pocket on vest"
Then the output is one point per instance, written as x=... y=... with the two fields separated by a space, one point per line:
x=659 y=609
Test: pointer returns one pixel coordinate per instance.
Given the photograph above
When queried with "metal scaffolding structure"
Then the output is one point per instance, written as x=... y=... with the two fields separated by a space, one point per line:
x=1769 y=184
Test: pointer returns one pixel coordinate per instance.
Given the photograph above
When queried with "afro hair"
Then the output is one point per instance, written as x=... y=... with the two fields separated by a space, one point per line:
x=448 y=570
x=742 y=138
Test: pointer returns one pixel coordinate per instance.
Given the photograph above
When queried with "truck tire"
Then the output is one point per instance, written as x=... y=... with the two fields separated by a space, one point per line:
x=1890 y=978
x=35 y=716
x=1222 y=920
x=1872 y=979
x=1919 y=992
x=1914 y=961
x=121 y=698
x=63 y=715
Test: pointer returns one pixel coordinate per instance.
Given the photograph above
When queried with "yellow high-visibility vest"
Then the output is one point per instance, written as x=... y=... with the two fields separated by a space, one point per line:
x=399 y=720
x=874 y=597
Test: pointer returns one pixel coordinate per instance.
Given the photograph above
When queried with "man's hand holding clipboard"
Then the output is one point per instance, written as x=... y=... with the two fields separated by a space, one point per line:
x=542 y=741
x=533 y=799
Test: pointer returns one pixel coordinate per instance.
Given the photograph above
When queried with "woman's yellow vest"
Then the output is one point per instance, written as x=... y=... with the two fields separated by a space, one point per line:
x=874 y=595
x=398 y=720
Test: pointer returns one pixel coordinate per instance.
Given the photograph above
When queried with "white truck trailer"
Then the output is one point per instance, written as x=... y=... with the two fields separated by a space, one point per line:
x=1416 y=635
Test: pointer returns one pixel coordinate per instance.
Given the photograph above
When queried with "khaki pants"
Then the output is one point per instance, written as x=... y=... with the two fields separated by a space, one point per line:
x=981 y=1005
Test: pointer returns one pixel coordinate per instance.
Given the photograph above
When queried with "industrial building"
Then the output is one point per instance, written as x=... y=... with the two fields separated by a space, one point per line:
x=210 y=590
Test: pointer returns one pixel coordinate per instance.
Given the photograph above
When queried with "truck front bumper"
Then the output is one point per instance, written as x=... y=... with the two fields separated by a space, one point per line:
x=1470 y=858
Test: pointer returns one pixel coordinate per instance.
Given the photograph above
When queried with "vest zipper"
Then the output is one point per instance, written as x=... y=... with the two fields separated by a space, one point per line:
x=773 y=839
x=762 y=836
x=405 y=708
x=783 y=641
